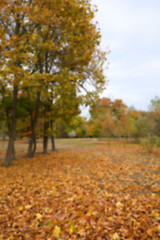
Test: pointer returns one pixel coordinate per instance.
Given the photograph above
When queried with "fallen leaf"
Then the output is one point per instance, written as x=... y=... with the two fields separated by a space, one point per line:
x=39 y=216
x=115 y=236
x=56 y=231
x=72 y=229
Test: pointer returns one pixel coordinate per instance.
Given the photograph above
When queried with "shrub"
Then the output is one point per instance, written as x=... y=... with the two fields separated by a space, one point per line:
x=149 y=143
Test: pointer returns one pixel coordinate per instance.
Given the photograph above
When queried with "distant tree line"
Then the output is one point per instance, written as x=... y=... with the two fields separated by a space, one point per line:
x=114 y=119
x=108 y=119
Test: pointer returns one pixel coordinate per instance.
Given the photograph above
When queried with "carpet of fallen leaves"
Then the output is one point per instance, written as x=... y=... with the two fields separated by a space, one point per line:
x=97 y=192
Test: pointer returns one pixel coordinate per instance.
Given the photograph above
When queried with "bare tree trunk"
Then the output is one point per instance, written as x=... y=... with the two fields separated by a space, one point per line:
x=45 y=144
x=10 y=154
x=52 y=138
x=32 y=141
x=32 y=145
x=13 y=153
x=45 y=137
x=53 y=143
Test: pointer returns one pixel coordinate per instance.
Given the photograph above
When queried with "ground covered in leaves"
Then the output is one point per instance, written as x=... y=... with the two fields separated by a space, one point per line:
x=95 y=192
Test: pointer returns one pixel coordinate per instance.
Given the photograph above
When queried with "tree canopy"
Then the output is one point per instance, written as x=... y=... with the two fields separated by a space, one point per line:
x=50 y=55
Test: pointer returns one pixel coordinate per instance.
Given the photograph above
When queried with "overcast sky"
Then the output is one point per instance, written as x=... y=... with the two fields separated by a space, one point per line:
x=131 y=30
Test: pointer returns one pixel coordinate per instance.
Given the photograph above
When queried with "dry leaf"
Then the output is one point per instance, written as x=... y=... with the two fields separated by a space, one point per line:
x=56 y=231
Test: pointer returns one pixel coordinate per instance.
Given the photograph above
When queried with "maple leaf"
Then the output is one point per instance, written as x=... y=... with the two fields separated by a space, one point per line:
x=115 y=236
x=119 y=205
x=39 y=216
x=21 y=208
x=72 y=229
x=56 y=231
x=28 y=207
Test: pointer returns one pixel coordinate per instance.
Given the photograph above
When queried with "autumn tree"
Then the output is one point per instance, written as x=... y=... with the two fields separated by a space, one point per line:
x=155 y=115
x=58 y=108
x=77 y=127
x=108 y=118
x=50 y=44
x=14 y=49
x=5 y=109
x=69 y=56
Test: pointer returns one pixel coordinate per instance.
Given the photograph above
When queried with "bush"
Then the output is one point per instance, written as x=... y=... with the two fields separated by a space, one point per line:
x=149 y=143
x=158 y=142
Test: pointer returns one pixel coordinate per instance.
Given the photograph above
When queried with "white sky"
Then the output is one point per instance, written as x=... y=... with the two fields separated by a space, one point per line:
x=131 y=30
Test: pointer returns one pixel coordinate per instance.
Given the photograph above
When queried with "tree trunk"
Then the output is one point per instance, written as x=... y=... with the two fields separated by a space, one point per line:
x=13 y=153
x=45 y=137
x=32 y=141
x=52 y=138
x=53 y=143
x=32 y=145
x=45 y=144
x=10 y=154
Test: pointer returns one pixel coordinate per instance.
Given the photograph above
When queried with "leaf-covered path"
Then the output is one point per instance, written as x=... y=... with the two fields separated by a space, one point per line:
x=97 y=192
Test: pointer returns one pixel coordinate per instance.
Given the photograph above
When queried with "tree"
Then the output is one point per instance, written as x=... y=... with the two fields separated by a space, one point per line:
x=77 y=127
x=53 y=44
x=108 y=117
x=155 y=115
x=14 y=45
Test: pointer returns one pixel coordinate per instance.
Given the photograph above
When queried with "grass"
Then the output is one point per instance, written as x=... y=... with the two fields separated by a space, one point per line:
x=61 y=143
